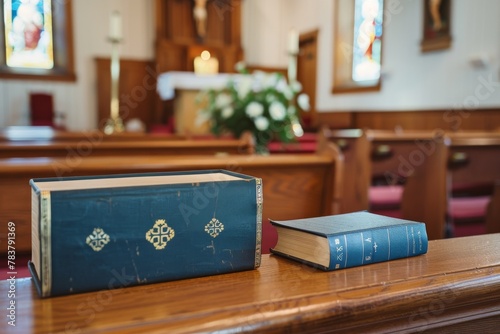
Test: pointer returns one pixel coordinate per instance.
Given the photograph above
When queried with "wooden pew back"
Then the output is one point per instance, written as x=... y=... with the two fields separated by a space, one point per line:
x=356 y=178
x=493 y=211
x=98 y=145
x=418 y=160
x=49 y=134
x=295 y=186
x=474 y=168
x=474 y=158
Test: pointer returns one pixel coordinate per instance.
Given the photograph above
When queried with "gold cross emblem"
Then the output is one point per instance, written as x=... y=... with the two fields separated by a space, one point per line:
x=160 y=234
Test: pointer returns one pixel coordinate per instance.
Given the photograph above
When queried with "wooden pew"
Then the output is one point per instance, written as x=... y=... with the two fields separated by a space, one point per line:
x=98 y=145
x=295 y=185
x=355 y=149
x=493 y=211
x=416 y=161
x=425 y=194
x=49 y=134
x=474 y=168
x=410 y=166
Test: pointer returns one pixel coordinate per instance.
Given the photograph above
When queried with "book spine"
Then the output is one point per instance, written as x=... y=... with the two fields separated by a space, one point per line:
x=377 y=245
x=46 y=243
x=260 y=202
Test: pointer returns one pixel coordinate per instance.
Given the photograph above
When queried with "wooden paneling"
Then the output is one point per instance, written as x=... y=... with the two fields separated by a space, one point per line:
x=137 y=90
x=446 y=120
x=334 y=120
x=454 y=288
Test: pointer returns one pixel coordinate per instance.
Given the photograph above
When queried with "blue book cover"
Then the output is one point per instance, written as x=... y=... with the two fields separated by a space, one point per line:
x=104 y=232
x=349 y=240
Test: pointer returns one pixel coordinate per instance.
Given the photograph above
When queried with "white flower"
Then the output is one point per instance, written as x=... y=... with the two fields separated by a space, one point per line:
x=240 y=66
x=244 y=86
x=270 y=80
x=254 y=109
x=227 y=112
x=288 y=92
x=281 y=85
x=292 y=110
x=270 y=98
x=258 y=79
x=261 y=123
x=303 y=101
x=277 y=111
x=296 y=86
x=222 y=100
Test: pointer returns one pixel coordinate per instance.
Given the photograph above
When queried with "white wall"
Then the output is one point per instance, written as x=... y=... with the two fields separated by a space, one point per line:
x=412 y=80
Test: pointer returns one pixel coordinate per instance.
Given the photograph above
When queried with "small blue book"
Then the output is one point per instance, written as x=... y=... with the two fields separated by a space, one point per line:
x=349 y=240
x=112 y=231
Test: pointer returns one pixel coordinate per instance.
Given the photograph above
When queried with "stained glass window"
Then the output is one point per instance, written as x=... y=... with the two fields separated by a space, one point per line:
x=28 y=34
x=367 y=50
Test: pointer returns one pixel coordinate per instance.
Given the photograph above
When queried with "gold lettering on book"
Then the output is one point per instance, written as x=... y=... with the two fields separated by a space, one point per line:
x=98 y=239
x=160 y=234
x=214 y=227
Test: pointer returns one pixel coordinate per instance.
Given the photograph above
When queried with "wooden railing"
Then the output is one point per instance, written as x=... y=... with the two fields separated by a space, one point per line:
x=454 y=288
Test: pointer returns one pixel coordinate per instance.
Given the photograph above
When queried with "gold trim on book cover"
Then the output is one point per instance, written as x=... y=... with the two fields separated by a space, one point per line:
x=45 y=241
x=260 y=201
x=160 y=234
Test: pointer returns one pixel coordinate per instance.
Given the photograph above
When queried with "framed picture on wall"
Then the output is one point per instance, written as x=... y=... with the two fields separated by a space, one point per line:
x=36 y=40
x=437 y=25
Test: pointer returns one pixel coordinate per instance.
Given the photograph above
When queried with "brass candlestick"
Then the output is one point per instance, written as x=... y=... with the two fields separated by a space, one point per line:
x=114 y=124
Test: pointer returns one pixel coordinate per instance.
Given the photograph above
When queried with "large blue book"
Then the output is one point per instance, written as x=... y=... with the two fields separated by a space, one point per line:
x=113 y=231
x=349 y=240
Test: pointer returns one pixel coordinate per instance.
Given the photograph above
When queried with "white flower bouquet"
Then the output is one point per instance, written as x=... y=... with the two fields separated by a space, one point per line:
x=262 y=103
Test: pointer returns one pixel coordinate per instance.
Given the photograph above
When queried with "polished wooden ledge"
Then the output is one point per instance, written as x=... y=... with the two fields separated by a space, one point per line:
x=456 y=285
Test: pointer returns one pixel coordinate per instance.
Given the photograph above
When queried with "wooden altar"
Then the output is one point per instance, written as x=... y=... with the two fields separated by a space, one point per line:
x=185 y=89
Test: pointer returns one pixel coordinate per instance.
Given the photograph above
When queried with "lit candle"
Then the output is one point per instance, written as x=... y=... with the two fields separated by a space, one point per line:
x=115 y=25
x=293 y=42
x=206 y=64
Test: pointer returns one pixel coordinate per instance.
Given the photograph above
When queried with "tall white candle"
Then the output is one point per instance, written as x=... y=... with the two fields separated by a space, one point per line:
x=115 y=25
x=293 y=41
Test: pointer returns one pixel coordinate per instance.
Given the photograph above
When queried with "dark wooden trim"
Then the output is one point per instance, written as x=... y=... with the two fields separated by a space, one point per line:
x=485 y=119
x=357 y=89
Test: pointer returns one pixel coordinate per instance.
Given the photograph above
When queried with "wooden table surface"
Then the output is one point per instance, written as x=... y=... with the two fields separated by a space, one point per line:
x=456 y=284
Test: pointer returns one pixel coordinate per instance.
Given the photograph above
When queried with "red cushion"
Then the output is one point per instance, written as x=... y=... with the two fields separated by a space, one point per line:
x=269 y=236
x=468 y=207
x=464 y=230
x=388 y=212
x=385 y=196
x=278 y=147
